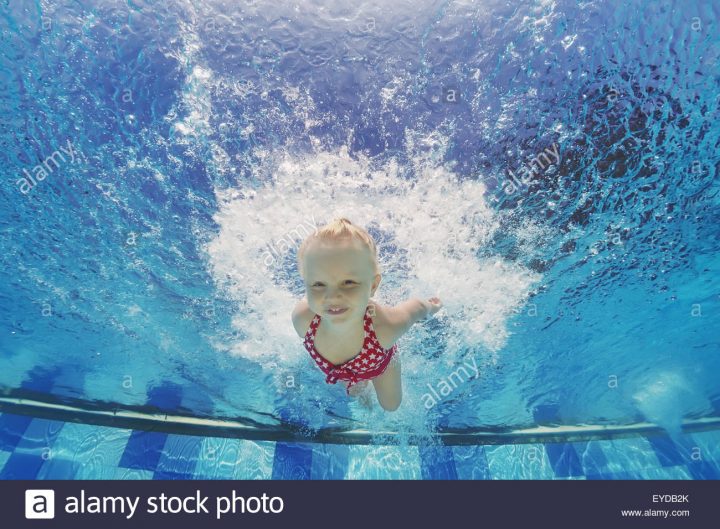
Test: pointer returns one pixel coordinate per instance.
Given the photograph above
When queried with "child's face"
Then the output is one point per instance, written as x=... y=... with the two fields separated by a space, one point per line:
x=339 y=275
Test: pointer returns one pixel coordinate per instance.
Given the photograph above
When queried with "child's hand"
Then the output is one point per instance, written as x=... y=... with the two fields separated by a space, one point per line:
x=435 y=305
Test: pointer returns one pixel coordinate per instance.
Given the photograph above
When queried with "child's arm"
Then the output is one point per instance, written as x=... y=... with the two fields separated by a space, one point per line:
x=406 y=314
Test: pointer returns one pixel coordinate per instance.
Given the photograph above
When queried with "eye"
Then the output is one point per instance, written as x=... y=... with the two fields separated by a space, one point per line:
x=350 y=282
x=318 y=284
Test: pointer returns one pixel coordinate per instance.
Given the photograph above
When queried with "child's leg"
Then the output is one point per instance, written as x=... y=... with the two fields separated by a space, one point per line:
x=388 y=386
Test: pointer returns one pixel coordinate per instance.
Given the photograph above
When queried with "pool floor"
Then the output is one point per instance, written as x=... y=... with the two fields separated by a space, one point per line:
x=33 y=448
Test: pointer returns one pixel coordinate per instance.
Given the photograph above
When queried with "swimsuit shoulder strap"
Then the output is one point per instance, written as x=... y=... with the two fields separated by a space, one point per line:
x=312 y=329
x=370 y=329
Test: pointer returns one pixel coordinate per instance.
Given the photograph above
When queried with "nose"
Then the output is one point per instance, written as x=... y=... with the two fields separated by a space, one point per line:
x=332 y=294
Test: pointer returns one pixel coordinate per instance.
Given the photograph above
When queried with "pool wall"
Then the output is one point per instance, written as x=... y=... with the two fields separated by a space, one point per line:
x=37 y=448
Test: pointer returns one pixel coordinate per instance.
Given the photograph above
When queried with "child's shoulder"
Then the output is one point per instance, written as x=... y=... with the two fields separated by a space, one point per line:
x=301 y=317
x=384 y=322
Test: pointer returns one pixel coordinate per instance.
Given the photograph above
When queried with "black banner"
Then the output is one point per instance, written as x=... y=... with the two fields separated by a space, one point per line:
x=210 y=504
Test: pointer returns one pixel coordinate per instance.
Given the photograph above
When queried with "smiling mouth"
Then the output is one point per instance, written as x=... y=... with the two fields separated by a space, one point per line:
x=335 y=311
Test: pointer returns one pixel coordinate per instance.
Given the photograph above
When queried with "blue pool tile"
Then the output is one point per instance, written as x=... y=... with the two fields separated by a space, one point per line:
x=705 y=447
x=167 y=474
x=702 y=470
x=471 y=462
x=505 y=461
x=519 y=461
x=658 y=472
x=221 y=458
x=330 y=461
x=180 y=455
x=626 y=458
x=32 y=450
x=40 y=435
x=437 y=462
x=383 y=462
x=255 y=460
x=131 y=474
x=58 y=468
x=667 y=452
x=12 y=429
x=605 y=475
x=564 y=459
x=292 y=461
x=4 y=456
x=143 y=450
x=22 y=466
x=96 y=449
x=699 y=467
x=218 y=458
x=592 y=457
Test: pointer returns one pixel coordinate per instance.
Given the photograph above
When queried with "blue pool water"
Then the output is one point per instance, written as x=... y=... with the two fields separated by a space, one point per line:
x=549 y=169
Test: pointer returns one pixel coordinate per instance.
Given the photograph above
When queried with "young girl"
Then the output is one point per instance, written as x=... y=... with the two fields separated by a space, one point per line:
x=350 y=336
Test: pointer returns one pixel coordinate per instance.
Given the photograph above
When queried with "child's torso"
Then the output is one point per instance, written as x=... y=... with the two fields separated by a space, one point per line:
x=340 y=350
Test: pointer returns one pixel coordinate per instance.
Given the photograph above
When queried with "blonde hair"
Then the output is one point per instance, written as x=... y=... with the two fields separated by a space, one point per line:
x=339 y=229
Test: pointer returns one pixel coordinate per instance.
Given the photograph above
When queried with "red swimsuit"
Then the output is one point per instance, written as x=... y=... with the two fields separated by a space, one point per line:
x=369 y=363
